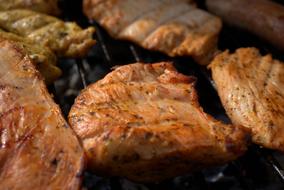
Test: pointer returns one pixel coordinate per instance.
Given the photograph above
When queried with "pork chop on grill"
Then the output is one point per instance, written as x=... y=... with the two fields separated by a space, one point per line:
x=174 y=27
x=251 y=88
x=66 y=39
x=38 y=150
x=143 y=122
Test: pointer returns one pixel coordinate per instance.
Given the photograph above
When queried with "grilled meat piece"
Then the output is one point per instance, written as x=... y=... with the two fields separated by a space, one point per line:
x=264 y=18
x=44 y=59
x=143 y=122
x=44 y=6
x=176 y=28
x=38 y=150
x=251 y=88
x=66 y=39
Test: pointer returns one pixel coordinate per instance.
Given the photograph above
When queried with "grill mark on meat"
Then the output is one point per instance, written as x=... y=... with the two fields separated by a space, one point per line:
x=163 y=18
x=165 y=28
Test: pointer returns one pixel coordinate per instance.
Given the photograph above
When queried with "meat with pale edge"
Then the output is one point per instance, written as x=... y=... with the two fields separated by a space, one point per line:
x=251 y=87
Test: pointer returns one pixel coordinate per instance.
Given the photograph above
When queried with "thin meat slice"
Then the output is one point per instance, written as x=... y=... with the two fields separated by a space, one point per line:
x=143 y=122
x=176 y=28
x=251 y=88
x=38 y=150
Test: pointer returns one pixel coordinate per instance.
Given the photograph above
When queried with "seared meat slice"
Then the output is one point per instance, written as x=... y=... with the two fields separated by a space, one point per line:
x=66 y=39
x=38 y=150
x=44 y=6
x=143 y=122
x=44 y=59
x=251 y=88
x=176 y=28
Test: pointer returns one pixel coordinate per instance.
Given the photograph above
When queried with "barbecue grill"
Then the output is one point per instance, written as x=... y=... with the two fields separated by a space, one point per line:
x=257 y=169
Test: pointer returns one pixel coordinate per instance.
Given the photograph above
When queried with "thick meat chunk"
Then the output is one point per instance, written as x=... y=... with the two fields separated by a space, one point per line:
x=143 y=121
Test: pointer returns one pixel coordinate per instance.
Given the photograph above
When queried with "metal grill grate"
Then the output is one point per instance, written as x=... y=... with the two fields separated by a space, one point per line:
x=258 y=169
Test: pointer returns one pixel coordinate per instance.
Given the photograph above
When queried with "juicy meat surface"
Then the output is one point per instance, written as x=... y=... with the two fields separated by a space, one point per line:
x=176 y=28
x=143 y=122
x=38 y=150
x=66 y=39
x=43 y=58
x=44 y=6
x=251 y=88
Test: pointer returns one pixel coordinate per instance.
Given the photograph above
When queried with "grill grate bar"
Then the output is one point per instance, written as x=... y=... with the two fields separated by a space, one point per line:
x=82 y=72
x=135 y=53
x=102 y=43
x=269 y=158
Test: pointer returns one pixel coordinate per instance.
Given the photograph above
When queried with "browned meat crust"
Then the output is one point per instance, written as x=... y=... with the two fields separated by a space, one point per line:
x=251 y=88
x=38 y=150
x=43 y=6
x=66 y=39
x=174 y=27
x=264 y=18
x=143 y=121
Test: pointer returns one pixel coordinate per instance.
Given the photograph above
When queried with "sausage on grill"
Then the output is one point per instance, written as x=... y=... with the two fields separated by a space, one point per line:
x=43 y=6
x=264 y=18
